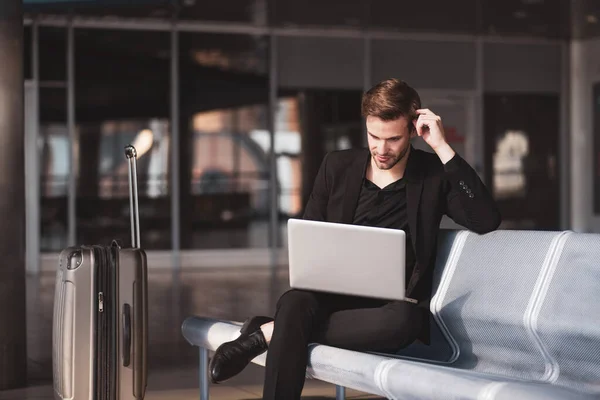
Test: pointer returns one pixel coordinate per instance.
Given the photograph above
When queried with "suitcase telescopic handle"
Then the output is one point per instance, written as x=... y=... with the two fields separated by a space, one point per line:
x=131 y=154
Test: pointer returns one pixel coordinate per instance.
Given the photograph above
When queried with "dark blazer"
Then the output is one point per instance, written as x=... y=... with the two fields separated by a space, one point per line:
x=432 y=190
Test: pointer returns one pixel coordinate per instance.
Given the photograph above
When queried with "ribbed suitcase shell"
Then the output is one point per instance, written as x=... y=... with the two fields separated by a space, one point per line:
x=74 y=325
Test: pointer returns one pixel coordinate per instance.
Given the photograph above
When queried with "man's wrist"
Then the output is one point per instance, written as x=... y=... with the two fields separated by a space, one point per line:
x=444 y=152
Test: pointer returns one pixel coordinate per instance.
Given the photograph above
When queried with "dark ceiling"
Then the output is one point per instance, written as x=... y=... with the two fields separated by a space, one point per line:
x=538 y=18
x=125 y=73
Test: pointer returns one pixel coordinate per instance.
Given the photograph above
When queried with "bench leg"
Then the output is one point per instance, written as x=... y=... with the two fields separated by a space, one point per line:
x=340 y=393
x=203 y=373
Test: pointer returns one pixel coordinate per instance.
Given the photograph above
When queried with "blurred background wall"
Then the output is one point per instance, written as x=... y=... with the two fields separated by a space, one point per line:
x=233 y=104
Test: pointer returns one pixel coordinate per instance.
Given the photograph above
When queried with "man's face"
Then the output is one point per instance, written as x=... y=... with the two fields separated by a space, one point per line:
x=389 y=141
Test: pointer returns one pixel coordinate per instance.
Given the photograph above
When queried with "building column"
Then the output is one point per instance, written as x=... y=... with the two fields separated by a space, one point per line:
x=584 y=72
x=13 y=338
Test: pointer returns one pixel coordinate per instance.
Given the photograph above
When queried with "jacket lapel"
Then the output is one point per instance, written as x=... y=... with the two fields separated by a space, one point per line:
x=353 y=184
x=414 y=187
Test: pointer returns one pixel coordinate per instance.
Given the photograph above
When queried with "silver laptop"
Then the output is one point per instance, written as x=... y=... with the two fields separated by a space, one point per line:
x=347 y=259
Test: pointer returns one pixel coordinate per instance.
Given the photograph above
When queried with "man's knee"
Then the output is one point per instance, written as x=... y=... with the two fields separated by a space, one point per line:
x=402 y=325
x=297 y=301
x=387 y=328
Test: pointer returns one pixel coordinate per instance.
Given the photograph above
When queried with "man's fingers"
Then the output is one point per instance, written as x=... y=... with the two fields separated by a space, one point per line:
x=428 y=115
x=425 y=120
x=429 y=118
x=423 y=123
x=425 y=111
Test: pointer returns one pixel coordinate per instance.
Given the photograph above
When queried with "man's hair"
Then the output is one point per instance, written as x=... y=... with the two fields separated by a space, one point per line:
x=390 y=100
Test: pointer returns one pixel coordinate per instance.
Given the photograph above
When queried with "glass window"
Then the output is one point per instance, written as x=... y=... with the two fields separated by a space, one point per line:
x=54 y=137
x=596 y=144
x=52 y=49
x=288 y=149
x=548 y=19
x=391 y=58
x=310 y=123
x=27 y=71
x=512 y=149
x=457 y=16
x=341 y=13
x=147 y=9
x=253 y=12
x=522 y=158
x=224 y=119
x=54 y=168
x=585 y=16
x=314 y=62
x=122 y=97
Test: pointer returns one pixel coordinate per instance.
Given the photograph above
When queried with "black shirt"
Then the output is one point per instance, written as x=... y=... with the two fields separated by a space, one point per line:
x=386 y=208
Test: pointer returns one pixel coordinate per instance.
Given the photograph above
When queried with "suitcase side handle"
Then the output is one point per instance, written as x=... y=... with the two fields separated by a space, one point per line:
x=131 y=154
x=126 y=335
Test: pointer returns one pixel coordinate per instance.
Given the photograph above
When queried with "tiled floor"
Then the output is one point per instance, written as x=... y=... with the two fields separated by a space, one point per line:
x=232 y=293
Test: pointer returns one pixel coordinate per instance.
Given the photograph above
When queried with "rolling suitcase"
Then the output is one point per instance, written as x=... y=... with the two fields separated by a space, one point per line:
x=100 y=321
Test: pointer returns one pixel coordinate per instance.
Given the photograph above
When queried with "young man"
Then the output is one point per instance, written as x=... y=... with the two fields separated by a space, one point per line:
x=390 y=185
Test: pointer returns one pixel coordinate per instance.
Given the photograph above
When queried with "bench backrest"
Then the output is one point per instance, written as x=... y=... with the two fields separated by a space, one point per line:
x=519 y=304
x=569 y=318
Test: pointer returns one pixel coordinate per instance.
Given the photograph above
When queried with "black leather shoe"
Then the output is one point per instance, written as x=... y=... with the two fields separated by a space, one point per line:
x=232 y=357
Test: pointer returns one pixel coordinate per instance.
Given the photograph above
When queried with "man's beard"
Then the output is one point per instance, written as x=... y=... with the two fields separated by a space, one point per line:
x=391 y=162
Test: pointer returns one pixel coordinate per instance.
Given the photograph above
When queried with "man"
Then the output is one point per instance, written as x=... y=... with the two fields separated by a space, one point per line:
x=390 y=185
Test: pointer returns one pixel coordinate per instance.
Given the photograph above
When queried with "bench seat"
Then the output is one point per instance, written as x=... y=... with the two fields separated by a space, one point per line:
x=514 y=316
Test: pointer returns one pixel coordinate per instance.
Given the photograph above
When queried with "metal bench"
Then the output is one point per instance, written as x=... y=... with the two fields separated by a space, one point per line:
x=514 y=316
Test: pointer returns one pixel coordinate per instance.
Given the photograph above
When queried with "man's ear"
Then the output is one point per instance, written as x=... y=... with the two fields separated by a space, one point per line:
x=413 y=130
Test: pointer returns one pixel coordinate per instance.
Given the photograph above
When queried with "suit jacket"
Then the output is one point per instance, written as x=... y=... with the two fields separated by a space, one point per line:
x=432 y=190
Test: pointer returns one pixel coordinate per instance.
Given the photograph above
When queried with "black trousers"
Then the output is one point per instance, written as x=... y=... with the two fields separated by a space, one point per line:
x=353 y=323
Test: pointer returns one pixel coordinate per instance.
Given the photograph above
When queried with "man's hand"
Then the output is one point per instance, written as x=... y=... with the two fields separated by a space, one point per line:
x=429 y=127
